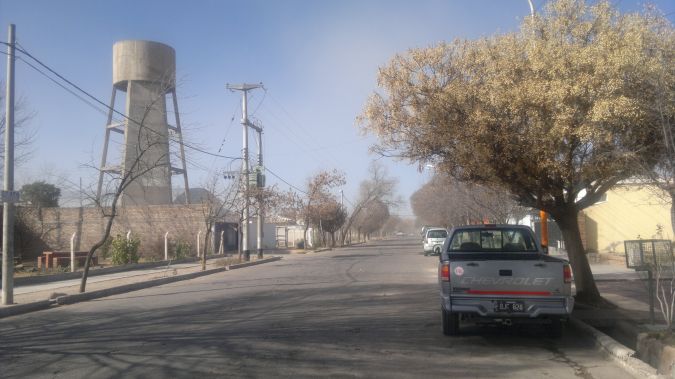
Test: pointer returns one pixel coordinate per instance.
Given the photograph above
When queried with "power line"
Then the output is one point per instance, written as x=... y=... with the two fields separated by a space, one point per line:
x=95 y=99
x=106 y=106
x=303 y=138
x=282 y=179
x=62 y=86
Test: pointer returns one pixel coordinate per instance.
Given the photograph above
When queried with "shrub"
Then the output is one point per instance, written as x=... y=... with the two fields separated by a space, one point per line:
x=181 y=250
x=124 y=251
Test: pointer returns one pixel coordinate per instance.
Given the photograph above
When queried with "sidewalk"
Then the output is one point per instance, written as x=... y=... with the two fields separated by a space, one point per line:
x=29 y=293
x=624 y=288
x=40 y=289
x=31 y=290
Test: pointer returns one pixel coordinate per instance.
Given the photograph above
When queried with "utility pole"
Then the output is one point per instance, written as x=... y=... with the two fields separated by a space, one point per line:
x=8 y=205
x=260 y=184
x=244 y=88
x=342 y=208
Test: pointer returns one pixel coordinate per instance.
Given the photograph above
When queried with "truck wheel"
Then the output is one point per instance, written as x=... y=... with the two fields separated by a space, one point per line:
x=555 y=328
x=450 y=322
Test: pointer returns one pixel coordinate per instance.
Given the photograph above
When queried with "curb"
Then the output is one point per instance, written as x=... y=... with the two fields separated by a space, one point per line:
x=619 y=353
x=72 y=299
x=41 y=279
x=20 y=309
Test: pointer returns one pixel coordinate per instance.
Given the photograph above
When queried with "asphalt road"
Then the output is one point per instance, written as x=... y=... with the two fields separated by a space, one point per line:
x=359 y=312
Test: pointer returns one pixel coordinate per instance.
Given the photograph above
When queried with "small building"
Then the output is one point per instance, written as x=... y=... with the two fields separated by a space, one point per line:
x=630 y=210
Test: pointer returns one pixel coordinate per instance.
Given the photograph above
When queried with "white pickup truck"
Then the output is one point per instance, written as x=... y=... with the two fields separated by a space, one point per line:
x=499 y=273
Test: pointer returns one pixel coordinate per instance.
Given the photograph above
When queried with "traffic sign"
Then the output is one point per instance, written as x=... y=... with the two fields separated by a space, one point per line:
x=9 y=196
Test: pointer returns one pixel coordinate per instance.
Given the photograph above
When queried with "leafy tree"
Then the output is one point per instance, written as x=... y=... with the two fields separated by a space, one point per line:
x=41 y=194
x=556 y=113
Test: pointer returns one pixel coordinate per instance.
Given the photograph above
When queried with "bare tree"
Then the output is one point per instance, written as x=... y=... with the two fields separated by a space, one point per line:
x=379 y=187
x=142 y=163
x=222 y=198
x=25 y=136
x=372 y=218
x=329 y=214
x=318 y=188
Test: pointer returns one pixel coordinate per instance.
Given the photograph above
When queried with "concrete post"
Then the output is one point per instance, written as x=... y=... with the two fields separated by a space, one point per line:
x=72 y=252
x=221 y=249
x=199 y=237
x=8 y=207
x=166 y=246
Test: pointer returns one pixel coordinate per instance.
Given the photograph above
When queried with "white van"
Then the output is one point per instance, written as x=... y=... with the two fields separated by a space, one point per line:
x=433 y=240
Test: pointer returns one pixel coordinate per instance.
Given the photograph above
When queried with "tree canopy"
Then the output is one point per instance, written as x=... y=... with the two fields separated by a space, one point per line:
x=444 y=201
x=41 y=194
x=556 y=113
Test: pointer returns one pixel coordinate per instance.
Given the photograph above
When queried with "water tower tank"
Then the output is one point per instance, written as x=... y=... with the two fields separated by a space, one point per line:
x=146 y=72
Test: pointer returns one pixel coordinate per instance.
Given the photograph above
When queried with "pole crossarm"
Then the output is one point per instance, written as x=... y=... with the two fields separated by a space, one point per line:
x=243 y=86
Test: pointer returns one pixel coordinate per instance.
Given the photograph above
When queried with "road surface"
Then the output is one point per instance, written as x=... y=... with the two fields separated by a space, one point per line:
x=360 y=312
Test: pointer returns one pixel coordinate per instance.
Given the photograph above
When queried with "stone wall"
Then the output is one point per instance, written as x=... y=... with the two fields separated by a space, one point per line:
x=52 y=228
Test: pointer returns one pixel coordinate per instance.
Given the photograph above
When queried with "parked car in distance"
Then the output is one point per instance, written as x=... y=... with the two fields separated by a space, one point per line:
x=500 y=274
x=433 y=240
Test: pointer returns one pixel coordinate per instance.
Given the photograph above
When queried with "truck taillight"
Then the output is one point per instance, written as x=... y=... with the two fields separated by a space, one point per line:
x=445 y=272
x=567 y=273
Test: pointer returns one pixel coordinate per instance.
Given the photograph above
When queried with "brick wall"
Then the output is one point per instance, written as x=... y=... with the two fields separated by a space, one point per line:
x=52 y=228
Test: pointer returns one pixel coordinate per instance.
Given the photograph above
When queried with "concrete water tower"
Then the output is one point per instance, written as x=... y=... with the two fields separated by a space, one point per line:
x=146 y=72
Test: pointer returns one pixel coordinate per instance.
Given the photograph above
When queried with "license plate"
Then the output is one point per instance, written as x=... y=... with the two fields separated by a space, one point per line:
x=508 y=306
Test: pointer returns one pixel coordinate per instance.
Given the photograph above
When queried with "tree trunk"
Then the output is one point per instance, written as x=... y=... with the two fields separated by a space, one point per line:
x=240 y=239
x=587 y=291
x=97 y=245
x=672 y=211
x=206 y=248
x=305 y=235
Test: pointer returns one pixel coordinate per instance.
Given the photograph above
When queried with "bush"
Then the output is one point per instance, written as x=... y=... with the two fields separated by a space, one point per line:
x=124 y=251
x=181 y=250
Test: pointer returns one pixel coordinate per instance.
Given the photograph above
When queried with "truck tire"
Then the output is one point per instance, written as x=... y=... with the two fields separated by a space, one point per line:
x=450 y=322
x=554 y=329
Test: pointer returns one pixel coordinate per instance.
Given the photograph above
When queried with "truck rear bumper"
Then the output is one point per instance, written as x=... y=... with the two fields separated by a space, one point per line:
x=534 y=306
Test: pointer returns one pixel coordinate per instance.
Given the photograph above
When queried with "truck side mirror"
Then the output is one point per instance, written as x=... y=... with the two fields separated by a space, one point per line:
x=545 y=249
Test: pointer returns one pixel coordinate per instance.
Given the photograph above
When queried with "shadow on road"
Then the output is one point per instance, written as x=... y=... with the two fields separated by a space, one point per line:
x=284 y=331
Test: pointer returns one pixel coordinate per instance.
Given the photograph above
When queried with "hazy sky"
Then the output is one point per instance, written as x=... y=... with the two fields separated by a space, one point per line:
x=317 y=59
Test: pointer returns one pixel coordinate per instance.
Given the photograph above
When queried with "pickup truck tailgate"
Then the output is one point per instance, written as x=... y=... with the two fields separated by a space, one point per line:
x=507 y=278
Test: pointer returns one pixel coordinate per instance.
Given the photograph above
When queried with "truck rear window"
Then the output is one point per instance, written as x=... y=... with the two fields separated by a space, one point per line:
x=492 y=240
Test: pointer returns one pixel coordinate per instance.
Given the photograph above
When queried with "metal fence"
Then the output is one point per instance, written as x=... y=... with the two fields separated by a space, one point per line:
x=643 y=255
